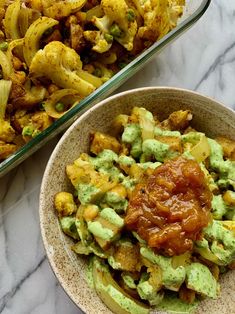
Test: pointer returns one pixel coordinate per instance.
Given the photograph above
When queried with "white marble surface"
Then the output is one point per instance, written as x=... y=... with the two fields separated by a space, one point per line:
x=203 y=59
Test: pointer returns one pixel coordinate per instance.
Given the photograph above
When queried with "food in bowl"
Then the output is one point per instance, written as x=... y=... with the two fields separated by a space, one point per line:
x=53 y=54
x=153 y=209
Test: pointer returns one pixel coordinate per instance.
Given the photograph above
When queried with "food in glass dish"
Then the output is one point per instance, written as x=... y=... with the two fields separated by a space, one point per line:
x=153 y=209
x=53 y=54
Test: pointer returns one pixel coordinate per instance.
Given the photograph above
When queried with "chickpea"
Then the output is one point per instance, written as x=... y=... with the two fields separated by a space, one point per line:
x=90 y=212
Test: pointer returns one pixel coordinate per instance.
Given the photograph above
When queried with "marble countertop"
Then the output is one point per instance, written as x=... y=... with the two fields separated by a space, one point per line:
x=203 y=59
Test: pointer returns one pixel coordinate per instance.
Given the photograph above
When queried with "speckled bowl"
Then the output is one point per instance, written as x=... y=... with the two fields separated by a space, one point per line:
x=209 y=117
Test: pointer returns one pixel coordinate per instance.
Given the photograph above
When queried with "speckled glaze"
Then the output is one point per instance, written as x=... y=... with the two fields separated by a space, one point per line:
x=209 y=117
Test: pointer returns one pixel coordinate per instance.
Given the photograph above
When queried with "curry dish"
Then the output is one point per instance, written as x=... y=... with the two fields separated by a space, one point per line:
x=55 y=53
x=153 y=211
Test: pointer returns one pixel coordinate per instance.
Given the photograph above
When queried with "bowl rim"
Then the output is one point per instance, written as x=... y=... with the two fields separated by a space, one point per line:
x=49 y=256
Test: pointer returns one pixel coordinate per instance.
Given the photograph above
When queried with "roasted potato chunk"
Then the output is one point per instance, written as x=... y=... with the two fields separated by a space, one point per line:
x=186 y=295
x=64 y=204
x=178 y=120
x=228 y=147
x=128 y=256
x=173 y=141
x=101 y=141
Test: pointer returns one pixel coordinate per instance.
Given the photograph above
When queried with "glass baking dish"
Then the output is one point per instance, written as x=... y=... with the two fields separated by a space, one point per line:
x=194 y=9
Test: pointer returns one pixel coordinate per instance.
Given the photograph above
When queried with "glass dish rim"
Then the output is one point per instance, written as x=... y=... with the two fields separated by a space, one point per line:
x=88 y=101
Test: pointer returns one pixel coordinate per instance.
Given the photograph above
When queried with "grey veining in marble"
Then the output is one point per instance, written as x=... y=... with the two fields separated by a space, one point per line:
x=203 y=59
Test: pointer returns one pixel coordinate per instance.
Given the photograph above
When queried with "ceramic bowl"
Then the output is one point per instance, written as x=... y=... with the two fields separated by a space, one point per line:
x=209 y=116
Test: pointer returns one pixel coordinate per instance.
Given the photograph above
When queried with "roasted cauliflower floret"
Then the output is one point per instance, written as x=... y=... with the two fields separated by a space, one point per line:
x=20 y=119
x=6 y=150
x=41 y=120
x=101 y=39
x=159 y=17
x=97 y=38
x=118 y=23
x=64 y=204
x=7 y=133
x=61 y=65
x=22 y=97
x=56 y=9
x=31 y=124
x=175 y=11
x=124 y=25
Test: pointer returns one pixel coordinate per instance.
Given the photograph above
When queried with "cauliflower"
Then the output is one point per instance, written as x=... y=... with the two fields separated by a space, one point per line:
x=175 y=11
x=6 y=150
x=101 y=39
x=38 y=122
x=118 y=23
x=124 y=25
x=7 y=133
x=102 y=72
x=65 y=204
x=159 y=17
x=24 y=96
x=20 y=119
x=97 y=38
x=59 y=63
x=56 y=9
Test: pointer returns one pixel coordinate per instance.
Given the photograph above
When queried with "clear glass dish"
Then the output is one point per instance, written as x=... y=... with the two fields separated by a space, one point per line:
x=194 y=9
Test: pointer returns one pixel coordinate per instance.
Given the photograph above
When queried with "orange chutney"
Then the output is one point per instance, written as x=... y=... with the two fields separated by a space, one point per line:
x=169 y=208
